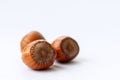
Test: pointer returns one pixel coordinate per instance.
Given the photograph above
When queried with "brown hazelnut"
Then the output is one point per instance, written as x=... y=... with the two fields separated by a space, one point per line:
x=28 y=38
x=66 y=48
x=38 y=54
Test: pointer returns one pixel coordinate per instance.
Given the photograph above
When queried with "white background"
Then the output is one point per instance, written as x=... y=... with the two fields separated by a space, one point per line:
x=94 y=24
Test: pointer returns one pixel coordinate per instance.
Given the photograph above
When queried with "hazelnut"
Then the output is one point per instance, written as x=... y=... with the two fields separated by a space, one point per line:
x=28 y=38
x=66 y=47
x=38 y=54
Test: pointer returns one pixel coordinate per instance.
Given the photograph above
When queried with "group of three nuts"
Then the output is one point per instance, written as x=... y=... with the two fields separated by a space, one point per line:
x=38 y=54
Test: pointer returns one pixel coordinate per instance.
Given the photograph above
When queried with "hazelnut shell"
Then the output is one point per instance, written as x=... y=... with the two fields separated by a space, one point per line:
x=28 y=38
x=66 y=47
x=38 y=55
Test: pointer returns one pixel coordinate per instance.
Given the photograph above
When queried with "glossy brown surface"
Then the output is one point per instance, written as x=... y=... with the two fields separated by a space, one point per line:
x=66 y=48
x=39 y=54
x=31 y=36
